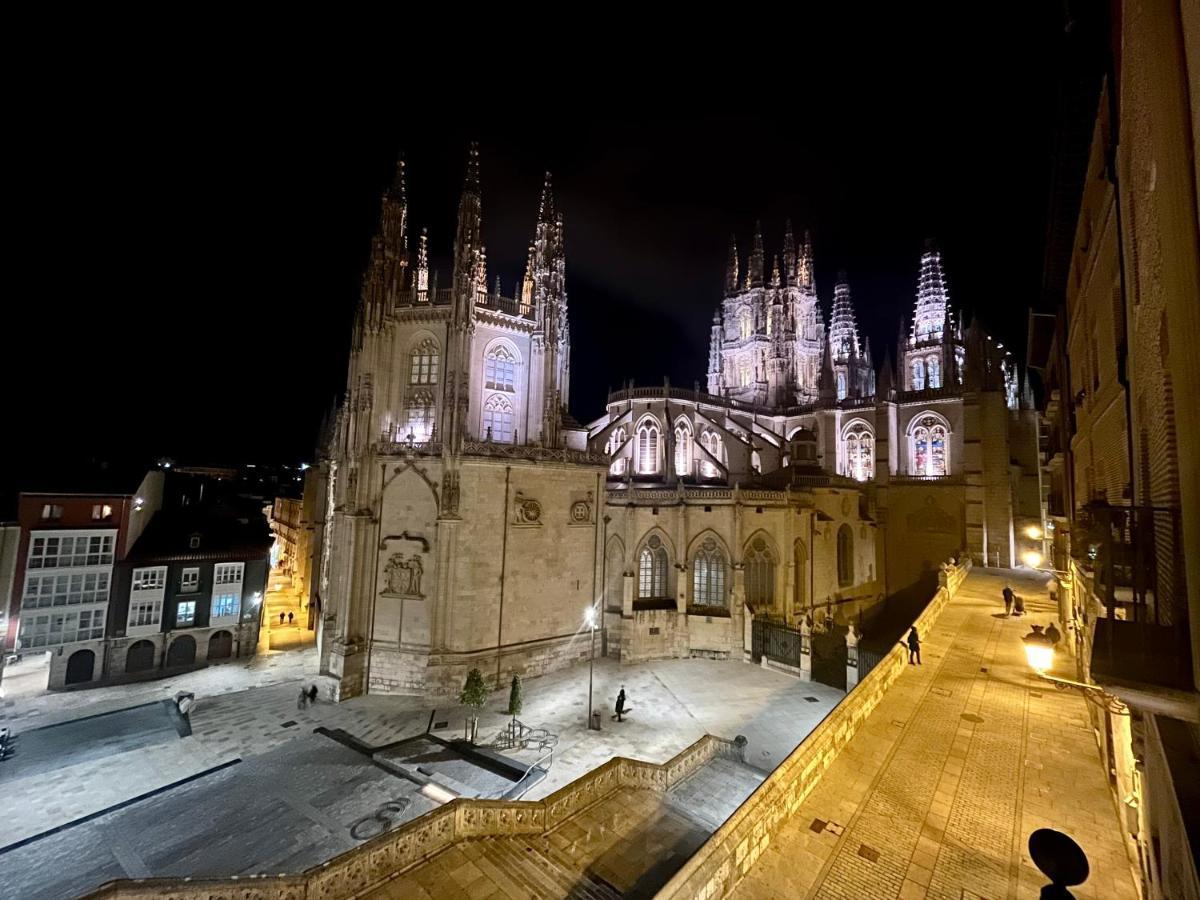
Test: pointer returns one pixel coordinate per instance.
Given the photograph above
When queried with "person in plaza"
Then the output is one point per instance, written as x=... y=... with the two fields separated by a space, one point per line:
x=1008 y=600
x=290 y=614
x=914 y=647
x=302 y=701
x=620 y=705
x=1054 y=634
x=312 y=694
x=281 y=618
x=1018 y=605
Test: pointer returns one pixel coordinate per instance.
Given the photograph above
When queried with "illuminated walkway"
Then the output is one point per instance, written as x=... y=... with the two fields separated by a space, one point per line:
x=938 y=792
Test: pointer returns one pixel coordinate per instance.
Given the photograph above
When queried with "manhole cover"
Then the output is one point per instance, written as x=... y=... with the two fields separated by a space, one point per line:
x=437 y=725
x=983 y=668
x=870 y=854
x=813 y=699
x=971 y=717
x=818 y=825
x=941 y=692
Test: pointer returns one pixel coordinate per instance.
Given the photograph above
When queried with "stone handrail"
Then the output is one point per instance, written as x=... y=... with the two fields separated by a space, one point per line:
x=373 y=861
x=729 y=853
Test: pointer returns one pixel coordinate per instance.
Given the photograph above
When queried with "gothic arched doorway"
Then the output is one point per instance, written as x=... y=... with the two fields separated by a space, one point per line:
x=220 y=645
x=140 y=657
x=80 y=666
x=182 y=652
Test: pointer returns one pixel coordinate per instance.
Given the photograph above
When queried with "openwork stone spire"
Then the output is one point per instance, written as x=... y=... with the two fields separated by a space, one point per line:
x=754 y=270
x=843 y=330
x=731 y=271
x=804 y=265
x=789 y=254
x=933 y=300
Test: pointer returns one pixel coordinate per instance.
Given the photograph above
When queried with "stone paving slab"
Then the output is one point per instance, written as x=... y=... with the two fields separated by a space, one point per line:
x=963 y=758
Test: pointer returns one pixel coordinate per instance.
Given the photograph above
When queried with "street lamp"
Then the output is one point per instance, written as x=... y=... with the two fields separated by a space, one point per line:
x=589 y=619
x=1039 y=651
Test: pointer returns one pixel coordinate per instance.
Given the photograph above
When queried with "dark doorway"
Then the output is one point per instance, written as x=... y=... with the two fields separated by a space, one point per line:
x=80 y=666
x=829 y=657
x=140 y=657
x=182 y=652
x=220 y=645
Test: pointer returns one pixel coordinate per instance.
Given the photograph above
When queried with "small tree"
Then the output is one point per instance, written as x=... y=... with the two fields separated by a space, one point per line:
x=474 y=696
x=514 y=703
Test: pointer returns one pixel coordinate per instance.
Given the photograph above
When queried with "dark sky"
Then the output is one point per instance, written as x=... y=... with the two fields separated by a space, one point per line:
x=193 y=227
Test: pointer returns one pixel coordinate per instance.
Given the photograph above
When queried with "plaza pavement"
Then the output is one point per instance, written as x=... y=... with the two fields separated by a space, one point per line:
x=938 y=792
x=672 y=704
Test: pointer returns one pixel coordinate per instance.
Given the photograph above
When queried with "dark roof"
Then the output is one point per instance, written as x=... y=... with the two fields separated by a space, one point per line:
x=96 y=480
x=224 y=534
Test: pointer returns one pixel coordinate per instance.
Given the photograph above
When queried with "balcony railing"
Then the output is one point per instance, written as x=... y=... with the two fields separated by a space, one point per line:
x=1134 y=555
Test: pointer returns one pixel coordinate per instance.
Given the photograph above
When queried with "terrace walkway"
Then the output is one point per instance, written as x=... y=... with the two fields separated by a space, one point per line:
x=965 y=756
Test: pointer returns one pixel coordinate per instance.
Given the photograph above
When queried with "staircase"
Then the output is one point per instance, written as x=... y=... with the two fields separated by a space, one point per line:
x=710 y=794
x=522 y=867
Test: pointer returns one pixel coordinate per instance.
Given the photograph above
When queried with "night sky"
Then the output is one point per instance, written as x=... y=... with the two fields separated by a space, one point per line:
x=193 y=235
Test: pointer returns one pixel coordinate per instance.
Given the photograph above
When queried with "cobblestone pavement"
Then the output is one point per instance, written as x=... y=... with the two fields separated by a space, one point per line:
x=966 y=755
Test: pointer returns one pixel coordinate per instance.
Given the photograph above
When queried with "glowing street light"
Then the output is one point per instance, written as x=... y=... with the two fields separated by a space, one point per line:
x=1034 y=532
x=589 y=621
x=1031 y=558
x=1039 y=650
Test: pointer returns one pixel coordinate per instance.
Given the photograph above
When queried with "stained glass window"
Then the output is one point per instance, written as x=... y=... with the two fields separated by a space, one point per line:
x=652 y=570
x=709 y=575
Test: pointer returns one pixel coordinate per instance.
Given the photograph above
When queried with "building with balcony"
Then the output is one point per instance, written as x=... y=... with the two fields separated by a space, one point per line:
x=1112 y=340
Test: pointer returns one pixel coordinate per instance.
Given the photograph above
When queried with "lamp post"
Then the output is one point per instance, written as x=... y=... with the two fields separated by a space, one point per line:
x=1039 y=652
x=589 y=619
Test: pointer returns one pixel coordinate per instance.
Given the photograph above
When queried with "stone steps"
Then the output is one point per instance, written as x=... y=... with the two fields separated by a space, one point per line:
x=710 y=794
x=527 y=868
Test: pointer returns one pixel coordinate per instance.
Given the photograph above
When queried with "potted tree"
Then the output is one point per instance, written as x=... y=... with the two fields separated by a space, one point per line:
x=514 y=705
x=473 y=696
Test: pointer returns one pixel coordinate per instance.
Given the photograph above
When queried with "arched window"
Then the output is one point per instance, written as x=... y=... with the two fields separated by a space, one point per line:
x=499 y=367
x=683 y=448
x=841 y=385
x=647 y=448
x=611 y=446
x=709 y=576
x=419 y=424
x=929 y=452
x=652 y=570
x=960 y=359
x=933 y=370
x=859 y=452
x=759 y=566
x=424 y=363
x=918 y=375
x=845 y=556
x=498 y=416
x=746 y=324
x=711 y=441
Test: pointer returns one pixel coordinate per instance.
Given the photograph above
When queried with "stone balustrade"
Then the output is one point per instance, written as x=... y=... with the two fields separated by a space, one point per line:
x=732 y=850
x=376 y=860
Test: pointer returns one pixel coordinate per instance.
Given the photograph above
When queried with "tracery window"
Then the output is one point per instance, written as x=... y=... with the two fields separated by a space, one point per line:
x=933 y=371
x=683 y=448
x=918 y=375
x=647 y=448
x=424 y=363
x=859 y=452
x=499 y=367
x=845 y=556
x=929 y=448
x=711 y=441
x=498 y=416
x=960 y=359
x=746 y=324
x=709 y=575
x=745 y=373
x=611 y=446
x=841 y=385
x=759 y=567
x=652 y=570
x=420 y=417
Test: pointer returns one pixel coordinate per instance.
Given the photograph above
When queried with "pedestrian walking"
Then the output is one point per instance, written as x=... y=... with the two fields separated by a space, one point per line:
x=312 y=694
x=1008 y=600
x=290 y=614
x=1054 y=634
x=914 y=647
x=620 y=705
x=281 y=618
x=302 y=701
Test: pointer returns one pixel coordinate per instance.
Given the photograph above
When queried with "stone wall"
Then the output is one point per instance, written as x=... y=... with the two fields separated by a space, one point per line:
x=383 y=857
x=732 y=850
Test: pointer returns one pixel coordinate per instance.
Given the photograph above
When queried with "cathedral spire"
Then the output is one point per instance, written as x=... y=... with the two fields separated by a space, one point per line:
x=804 y=266
x=827 y=386
x=933 y=300
x=789 y=254
x=843 y=330
x=546 y=204
x=754 y=270
x=422 y=280
x=775 y=272
x=886 y=381
x=731 y=270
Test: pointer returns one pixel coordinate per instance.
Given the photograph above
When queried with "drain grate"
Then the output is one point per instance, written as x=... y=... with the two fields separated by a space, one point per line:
x=971 y=717
x=817 y=826
x=941 y=692
x=870 y=854
x=983 y=669
x=813 y=699
x=288 y=724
